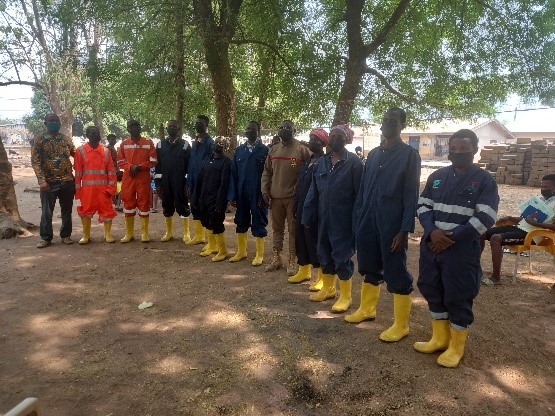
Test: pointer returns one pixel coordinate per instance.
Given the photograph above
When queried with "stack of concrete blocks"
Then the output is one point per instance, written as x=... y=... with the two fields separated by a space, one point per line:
x=522 y=163
x=543 y=162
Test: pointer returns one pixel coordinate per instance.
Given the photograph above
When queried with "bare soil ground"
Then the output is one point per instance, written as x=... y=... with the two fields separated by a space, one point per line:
x=230 y=339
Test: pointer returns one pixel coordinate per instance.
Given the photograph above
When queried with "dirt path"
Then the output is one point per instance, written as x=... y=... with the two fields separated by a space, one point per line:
x=229 y=339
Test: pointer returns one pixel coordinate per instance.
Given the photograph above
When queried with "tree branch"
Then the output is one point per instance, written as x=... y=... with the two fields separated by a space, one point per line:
x=267 y=45
x=388 y=86
x=29 y=83
x=386 y=30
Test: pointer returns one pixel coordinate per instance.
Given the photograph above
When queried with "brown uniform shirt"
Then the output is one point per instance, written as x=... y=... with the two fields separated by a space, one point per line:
x=281 y=169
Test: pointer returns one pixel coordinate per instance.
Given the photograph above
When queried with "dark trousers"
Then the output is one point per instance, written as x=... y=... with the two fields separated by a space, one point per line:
x=305 y=244
x=64 y=192
x=450 y=280
x=248 y=214
x=174 y=199
x=212 y=220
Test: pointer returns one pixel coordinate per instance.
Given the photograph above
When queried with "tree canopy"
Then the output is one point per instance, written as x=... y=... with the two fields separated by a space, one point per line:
x=316 y=62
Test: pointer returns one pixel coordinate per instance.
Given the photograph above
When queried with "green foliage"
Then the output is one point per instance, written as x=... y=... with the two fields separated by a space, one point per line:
x=34 y=122
x=288 y=59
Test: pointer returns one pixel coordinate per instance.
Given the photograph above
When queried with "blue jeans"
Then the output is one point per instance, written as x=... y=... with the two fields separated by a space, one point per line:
x=64 y=191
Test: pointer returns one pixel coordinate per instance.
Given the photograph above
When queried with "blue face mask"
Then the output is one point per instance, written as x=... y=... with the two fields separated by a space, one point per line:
x=53 y=126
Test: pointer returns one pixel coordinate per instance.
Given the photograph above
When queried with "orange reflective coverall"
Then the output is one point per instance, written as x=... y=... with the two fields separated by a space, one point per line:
x=135 y=192
x=95 y=182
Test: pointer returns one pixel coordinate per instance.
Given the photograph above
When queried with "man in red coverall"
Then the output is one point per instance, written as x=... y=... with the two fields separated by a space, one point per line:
x=95 y=184
x=136 y=155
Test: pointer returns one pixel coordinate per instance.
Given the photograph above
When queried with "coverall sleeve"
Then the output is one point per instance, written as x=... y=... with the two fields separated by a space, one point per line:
x=485 y=214
x=425 y=209
x=358 y=170
x=410 y=192
x=158 y=167
x=122 y=161
x=186 y=160
x=36 y=159
x=232 y=194
x=310 y=207
x=266 y=181
x=152 y=159
x=78 y=167
x=111 y=173
x=296 y=196
x=225 y=176
x=198 y=187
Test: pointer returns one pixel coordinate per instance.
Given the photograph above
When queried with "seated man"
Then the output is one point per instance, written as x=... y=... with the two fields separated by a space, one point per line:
x=507 y=234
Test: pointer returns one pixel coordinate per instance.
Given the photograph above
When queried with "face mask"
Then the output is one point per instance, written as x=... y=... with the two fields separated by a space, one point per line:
x=200 y=129
x=336 y=145
x=53 y=126
x=172 y=131
x=315 y=147
x=217 y=148
x=461 y=160
x=286 y=135
x=546 y=193
x=251 y=135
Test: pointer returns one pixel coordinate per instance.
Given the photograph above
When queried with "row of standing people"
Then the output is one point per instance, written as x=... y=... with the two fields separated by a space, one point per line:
x=347 y=207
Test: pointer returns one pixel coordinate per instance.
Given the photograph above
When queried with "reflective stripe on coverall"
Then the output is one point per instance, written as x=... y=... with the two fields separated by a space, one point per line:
x=95 y=182
x=135 y=192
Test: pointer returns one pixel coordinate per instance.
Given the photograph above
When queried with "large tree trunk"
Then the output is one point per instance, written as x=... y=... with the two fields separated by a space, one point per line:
x=180 y=68
x=217 y=59
x=354 y=69
x=217 y=33
x=11 y=223
x=356 y=65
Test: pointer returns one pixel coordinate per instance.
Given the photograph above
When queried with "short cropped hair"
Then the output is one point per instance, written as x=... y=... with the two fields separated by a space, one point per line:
x=550 y=177
x=205 y=118
x=88 y=129
x=466 y=133
x=255 y=122
x=402 y=113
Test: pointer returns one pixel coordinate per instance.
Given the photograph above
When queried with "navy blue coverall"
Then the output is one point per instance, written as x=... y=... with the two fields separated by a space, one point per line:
x=246 y=170
x=305 y=239
x=199 y=152
x=210 y=196
x=385 y=207
x=170 y=174
x=330 y=201
x=465 y=204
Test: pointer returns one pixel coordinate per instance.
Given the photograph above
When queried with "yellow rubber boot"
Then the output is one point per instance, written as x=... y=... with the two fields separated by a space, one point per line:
x=186 y=231
x=108 y=232
x=317 y=285
x=455 y=352
x=328 y=289
x=86 y=231
x=199 y=233
x=129 y=230
x=304 y=273
x=241 y=248
x=144 y=230
x=211 y=247
x=169 y=230
x=440 y=338
x=222 y=249
x=344 y=301
x=369 y=295
x=259 y=257
x=401 y=313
